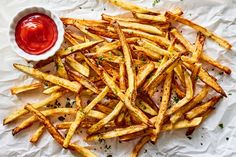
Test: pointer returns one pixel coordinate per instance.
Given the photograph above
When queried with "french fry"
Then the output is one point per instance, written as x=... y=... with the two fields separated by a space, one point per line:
x=142 y=27
x=24 y=88
x=141 y=76
x=78 y=102
x=78 y=47
x=55 y=134
x=75 y=36
x=22 y=111
x=116 y=132
x=147 y=52
x=199 y=28
x=57 y=111
x=52 y=89
x=68 y=37
x=131 y=7
x=110 y=18
x=163 y=107
x=80 y=115
x=83 y=80
x=207 y=79
x=77 y=66
x=107 y=119
x=199 y=46
x=202 y=108
x=103 y=108
x=61 y=71
x=155 y=18
x=160 y=71
x=122 y=77
x=216 y=64
x=145 y=107
x=196 y=100
x=194 y=74
x=73 y=86
x=36 y=136
x=186 y=99
x=139 y=146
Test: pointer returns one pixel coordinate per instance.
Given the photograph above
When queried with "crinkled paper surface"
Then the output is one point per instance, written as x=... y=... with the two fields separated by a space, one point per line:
x=208 y=140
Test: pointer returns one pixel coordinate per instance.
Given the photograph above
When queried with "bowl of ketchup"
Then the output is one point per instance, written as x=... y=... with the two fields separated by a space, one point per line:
x=36 y=33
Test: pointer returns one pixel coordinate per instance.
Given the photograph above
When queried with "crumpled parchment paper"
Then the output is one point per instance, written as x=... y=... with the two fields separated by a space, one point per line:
x=208 y=140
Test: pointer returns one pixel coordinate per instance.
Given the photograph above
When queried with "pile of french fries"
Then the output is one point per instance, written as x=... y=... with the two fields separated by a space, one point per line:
x=124 y=60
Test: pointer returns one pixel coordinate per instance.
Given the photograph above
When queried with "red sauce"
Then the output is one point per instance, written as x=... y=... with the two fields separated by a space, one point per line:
x=36 y=33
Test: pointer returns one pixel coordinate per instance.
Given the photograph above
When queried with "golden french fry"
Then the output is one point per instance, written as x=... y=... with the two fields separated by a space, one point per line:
x=103 y=108
x=55 y=134
x=131 y=7
x=207 y=78
x=36 y=136
x=199 y=28
x=24 y=88
x=147 y=52
x=83 y=80
x=154 y=18
x=122 y=77
x=61 y=71
x=22 y=111
x=77 y=66
x=80 y=115
x=142 y=27
x=160 y=71
x=57 y=111
x=73 y=86
x=145 y=107
x=194 y=74
x=187 y=98
x=202 y=108
x=163 y=107
x=196 y=100
x=139 y=146
x=68 y=37
x=141 y=76
x=52 y=89
x=78 y=47
x=216 y=64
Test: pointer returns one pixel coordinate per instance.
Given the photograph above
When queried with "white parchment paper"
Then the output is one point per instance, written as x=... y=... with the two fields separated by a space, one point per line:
x=208 y=140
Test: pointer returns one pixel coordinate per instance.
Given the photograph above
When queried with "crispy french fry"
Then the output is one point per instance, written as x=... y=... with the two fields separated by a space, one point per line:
x=78 y=47
x=24 y=88
x=139 y=146
x=199 y=46
x=116 y=132
x=141 y=76
x=57 y=111
x=160 y=71
x=145 y=107
x=216 y=64
x=122 y=77
x=61 y=71
x=207 y=79
x=83 y=80
x=196 y=100
x=107 y=119
x=131 y=7
x=186 y=99
x=78 y=102
x=147 y=52
x=52 y=89
x=199 y=28
x=75 y=36
x=103 y=108
x=163 y=107
x=142 y=27
x=80 y=115
x=73 y=86
x=202 y=108
x=22 y=111
x=155 y=18
x=194 y=74
x=55 y=134
x=77 y=66
x=68 y=37
x=36 y=136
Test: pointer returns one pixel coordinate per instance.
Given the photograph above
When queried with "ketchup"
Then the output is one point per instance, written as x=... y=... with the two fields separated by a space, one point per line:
x=36 y=33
